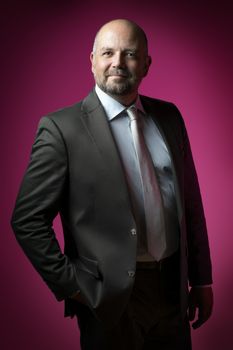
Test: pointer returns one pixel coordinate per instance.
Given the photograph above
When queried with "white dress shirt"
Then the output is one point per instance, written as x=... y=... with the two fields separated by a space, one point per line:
x=120 y=127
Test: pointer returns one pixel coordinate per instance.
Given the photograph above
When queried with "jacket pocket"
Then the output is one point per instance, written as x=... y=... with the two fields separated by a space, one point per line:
x=88 y=265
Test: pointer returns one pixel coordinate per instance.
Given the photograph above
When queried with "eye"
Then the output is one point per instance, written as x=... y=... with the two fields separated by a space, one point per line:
x=131 y=54
x=107 y=53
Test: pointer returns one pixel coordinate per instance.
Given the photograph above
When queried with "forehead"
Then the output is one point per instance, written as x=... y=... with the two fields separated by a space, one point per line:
x=120 y=37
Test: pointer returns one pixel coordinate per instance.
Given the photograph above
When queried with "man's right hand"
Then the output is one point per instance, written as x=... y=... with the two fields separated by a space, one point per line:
x=79 y=297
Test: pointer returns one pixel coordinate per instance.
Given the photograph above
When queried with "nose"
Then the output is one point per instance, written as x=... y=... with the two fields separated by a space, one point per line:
x=118 y=60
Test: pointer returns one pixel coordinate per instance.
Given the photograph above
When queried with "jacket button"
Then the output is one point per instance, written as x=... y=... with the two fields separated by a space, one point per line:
x=133 y=231
x=131 y=273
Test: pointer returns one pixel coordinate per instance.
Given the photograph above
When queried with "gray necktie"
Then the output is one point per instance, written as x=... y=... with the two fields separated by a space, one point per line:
x=153 y=205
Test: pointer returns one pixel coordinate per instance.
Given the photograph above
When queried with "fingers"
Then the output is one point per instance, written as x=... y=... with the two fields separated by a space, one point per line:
x=191 y=311
x=192 y=306
x=197 y=324
x=201 y=299
x=203 y=316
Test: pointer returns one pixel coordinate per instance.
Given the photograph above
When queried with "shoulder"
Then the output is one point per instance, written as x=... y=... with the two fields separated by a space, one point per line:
x=62 y=122
x=66 y=113
x=73 y=113
x=66 y=118
x=159 y=105
x=158 y=108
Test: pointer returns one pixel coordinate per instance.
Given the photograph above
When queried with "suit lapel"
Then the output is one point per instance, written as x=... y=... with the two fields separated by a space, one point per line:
x=97 y=125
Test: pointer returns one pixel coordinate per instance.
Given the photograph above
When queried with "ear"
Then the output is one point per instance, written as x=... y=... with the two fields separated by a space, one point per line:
x=91 y=56
x=147 y=65
x=92 y=61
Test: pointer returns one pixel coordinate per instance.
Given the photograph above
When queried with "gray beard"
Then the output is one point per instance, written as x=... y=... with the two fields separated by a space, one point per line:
x=118 y=89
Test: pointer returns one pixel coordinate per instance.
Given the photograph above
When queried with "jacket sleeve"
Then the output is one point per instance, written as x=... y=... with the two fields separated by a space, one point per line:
x=38 y=203
x=199 y=262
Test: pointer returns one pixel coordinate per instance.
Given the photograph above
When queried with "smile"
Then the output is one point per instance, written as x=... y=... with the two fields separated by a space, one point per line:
x=118 y=76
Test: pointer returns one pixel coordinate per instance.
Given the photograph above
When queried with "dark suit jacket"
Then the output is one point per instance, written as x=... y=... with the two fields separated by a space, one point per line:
x=75 y=170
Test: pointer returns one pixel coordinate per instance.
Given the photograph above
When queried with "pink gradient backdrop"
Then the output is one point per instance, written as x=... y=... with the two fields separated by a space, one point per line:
x=46 y=66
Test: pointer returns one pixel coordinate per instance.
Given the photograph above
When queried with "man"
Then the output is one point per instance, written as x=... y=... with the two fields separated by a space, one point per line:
x=118 y=168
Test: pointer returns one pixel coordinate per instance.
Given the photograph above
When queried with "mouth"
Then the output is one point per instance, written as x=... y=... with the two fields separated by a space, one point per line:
x=118 y=74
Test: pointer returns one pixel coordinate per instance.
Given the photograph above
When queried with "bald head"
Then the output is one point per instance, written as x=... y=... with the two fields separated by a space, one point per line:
x=120 y=59
x=122 y=26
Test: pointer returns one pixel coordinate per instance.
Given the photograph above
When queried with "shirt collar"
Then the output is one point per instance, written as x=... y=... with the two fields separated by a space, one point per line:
x=111 y=106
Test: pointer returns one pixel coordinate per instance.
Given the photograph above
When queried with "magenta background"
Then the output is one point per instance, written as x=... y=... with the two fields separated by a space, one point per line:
x=46 y=66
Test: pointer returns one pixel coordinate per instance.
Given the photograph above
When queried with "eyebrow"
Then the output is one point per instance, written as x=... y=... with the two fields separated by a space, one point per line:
x=106 y=49
x=112 y=49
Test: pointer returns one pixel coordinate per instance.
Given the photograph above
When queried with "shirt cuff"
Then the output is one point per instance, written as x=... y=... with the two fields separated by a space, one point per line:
x=203 y=286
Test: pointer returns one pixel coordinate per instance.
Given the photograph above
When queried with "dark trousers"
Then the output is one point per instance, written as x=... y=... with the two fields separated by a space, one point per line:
x=151 y=319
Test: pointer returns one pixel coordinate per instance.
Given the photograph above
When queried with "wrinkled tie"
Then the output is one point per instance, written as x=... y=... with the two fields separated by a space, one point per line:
x=153 y=205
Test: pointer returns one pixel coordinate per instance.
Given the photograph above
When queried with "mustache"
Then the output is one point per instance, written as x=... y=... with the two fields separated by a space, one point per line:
x=120 y=72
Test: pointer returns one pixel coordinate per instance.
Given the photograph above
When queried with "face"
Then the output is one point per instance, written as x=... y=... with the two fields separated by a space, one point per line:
x=119 y=60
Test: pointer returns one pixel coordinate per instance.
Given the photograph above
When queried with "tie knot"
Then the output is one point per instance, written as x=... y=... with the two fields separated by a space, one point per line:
x=132 y=113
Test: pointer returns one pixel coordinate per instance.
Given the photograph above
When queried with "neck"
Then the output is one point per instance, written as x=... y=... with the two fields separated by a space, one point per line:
x=126 y=100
